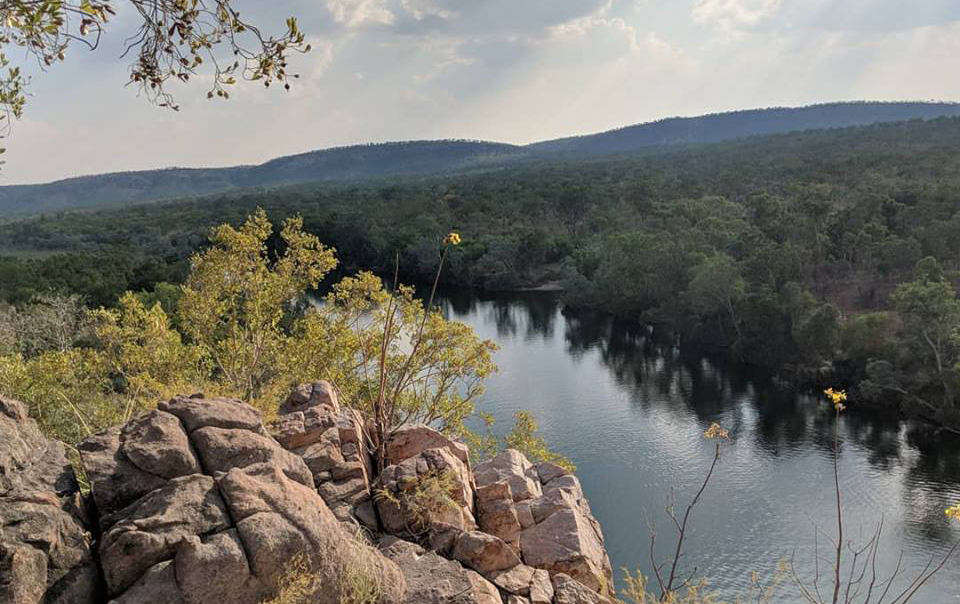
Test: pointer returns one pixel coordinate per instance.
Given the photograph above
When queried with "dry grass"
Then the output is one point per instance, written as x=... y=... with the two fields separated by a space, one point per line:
x=354 y=569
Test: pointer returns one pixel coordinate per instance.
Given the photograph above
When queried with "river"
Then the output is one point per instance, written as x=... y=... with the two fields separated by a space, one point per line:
x=631 y=415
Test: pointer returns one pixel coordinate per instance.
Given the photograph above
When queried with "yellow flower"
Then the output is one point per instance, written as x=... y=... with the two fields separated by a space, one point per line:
x=452 y=239
x=837 y=397
x=954 y=512
x=715 y=431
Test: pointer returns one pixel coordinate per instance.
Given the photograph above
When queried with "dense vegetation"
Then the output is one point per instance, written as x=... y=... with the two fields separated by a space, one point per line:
x=785 y=249
x=413 y=158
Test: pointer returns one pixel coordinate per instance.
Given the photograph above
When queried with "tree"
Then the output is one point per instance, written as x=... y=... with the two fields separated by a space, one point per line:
x=716 y=287
x=236 y=297
x=50 y=321
x=145 y=355
x=930 y=312
x=176 y=40
x=818 y=333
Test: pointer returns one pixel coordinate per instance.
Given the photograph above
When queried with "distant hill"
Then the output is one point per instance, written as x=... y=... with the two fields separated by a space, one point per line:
x=357 y=162
x=719 y=127
x=362 y=162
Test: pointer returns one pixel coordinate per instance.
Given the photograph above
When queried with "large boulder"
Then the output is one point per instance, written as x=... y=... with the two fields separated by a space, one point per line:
x=309 y=396
x=513 y=467
x=433 y=579
x=410 y=441
x=223 y=519
x=497 y=513
x=566 y=537
x=484 y=553
x=45 y=551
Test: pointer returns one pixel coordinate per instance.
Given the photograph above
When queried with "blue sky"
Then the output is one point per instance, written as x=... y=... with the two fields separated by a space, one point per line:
x=506 y=70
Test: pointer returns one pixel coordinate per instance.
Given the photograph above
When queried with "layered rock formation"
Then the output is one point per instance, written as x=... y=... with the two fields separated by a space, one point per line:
x=199 y=502
x=45 y=553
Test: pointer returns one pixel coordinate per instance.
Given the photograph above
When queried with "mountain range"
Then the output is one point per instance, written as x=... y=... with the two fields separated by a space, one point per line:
x=410 y=158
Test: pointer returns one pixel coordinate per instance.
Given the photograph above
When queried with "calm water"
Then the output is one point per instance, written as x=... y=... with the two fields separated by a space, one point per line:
x=631 y=414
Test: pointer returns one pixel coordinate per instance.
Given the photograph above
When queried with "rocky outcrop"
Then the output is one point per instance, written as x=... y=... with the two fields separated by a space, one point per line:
x=197 y=502
x=45 y=553
x=331 y=441
x=543 y=509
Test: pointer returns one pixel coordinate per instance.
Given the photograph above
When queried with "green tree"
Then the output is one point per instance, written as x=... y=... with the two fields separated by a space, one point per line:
x=235 y=298
x=930 y=312
x=145 y=355
x=818 y=333
x=716 y=288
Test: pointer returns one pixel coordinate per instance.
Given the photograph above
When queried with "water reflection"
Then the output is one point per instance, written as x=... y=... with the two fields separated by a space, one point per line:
x=591 y=379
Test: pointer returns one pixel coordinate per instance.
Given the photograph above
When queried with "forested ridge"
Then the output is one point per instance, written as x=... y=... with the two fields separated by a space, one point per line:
x=357 y=163
x=830 y=254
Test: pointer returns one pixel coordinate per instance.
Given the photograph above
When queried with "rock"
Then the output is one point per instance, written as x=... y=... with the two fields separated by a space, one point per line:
x=569 y=591
x=554 y=501
x=227 y=532
x=223 y=413
x=209 y=566
x=515 y=580
x=533 y=584
x=566 y=542
x=157 y=444
x=548 y=471
x=524 y=514
x=541 y=587
x=151 y=528
x=331 y=441
x=45 y=551
x=410 y=441
x=305 y=396
x=302 y=428
x=115 y=481
x=405 y=482
x=225 y=449
x=497 y=514
x=512 y=466
x=432 y=579
x=483 y=553
x=159 y=585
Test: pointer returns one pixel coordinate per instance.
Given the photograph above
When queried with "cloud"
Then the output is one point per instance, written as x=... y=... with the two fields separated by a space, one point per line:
x=510 y=70
x=358 y=13
x=735 y=14
x=829 y=15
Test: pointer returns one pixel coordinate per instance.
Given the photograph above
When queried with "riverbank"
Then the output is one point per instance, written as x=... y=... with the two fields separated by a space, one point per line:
x=630 y=413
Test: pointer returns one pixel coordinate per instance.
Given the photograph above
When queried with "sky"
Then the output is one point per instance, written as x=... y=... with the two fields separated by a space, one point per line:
x=514 y=71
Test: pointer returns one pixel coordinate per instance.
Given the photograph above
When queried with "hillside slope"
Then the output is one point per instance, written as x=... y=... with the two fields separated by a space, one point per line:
x=739 y=124
x=357 y=162
x=365 y=162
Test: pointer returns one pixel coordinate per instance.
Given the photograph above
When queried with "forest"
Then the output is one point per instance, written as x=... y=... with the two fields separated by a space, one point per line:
x=828 y=255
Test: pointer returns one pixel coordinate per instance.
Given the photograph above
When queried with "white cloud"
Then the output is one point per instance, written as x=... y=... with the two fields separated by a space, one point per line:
x=424 y=9
x=735 y=14
x=510 y=70
x=358 y=13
